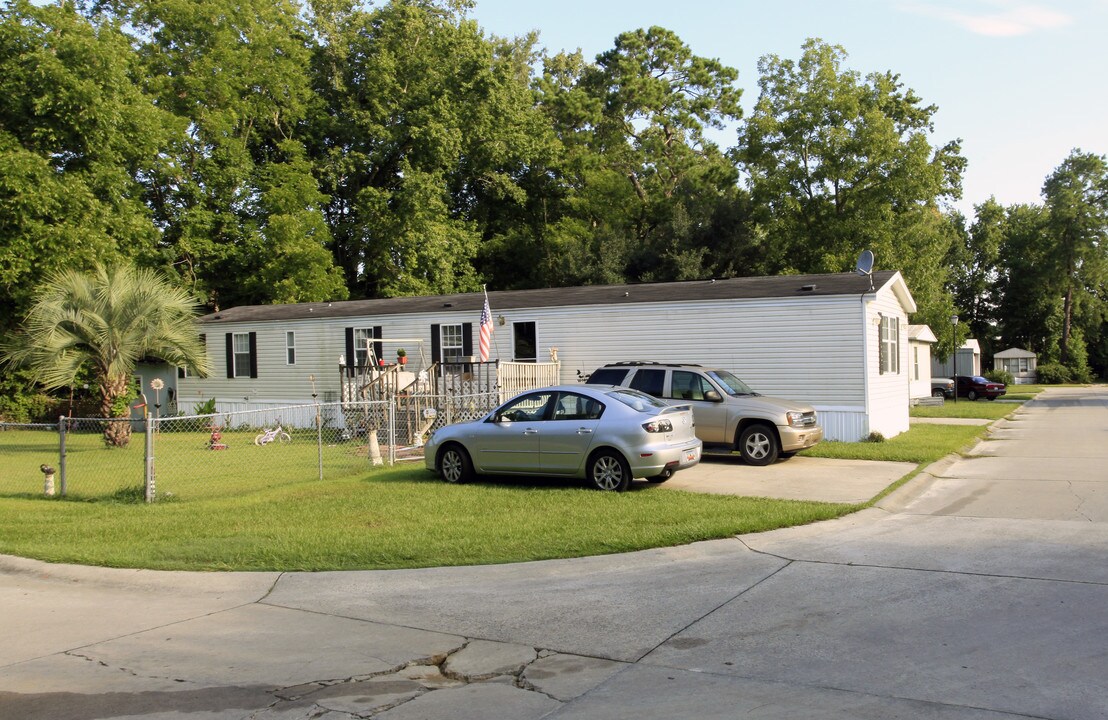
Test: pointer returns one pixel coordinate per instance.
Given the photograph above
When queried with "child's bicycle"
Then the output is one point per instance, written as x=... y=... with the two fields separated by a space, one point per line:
x=275 y=435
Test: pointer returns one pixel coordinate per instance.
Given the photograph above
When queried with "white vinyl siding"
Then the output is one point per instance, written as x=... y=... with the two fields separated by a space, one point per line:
x=816 y=350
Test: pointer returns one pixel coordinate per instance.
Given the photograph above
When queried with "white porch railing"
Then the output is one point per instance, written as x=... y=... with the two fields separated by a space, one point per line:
x=517 y=377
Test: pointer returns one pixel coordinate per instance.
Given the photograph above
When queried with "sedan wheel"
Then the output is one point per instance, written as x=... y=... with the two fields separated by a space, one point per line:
x=758 y=445
x=971 y=395
x=455 y=465
x=609 y=471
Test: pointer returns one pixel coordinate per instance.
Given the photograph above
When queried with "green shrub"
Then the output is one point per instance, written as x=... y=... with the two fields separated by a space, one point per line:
x=1000 y=376
x=205 y=408
x=1054 y=374
x=874 y=437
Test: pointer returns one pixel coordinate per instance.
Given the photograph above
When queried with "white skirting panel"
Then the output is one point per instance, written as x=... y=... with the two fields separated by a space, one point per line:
x=843 y=423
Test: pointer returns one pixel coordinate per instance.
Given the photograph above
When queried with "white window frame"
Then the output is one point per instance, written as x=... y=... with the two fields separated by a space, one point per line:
x=452 y=342
x=363 y=336
x=240 y=354
x=915 y=362
x=889 y=338
x=290 y=347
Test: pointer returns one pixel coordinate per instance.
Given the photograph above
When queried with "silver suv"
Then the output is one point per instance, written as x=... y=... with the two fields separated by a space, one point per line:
x=728 y=414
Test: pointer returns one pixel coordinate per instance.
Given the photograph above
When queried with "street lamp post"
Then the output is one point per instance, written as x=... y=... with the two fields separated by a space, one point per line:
x=954 y=341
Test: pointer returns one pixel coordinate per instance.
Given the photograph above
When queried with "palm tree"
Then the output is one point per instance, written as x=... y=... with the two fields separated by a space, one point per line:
x=108 y=321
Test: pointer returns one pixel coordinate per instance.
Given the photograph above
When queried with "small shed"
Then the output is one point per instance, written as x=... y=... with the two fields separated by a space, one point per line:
x=1019 y=362
x=968 y=361
x=920 y=340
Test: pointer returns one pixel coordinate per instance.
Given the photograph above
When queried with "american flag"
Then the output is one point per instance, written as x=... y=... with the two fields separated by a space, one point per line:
x=486 y=330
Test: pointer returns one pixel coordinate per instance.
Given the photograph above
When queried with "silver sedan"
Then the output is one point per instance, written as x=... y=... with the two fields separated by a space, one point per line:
x=606 y=435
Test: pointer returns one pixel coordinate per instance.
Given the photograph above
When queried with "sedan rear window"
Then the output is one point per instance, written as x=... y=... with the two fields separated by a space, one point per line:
x=638 y=401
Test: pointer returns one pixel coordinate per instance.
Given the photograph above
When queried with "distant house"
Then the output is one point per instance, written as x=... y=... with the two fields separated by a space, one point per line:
x=920 y=340
x=968 y=361
x=834 y=341
x=1020 y=363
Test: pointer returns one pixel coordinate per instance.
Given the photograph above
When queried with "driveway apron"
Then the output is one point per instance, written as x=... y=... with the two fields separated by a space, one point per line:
x=979 y=590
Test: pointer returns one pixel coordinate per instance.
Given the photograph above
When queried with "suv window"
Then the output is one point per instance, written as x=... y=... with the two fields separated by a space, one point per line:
x=608 y=376
x=688 y=386
x=650 y=382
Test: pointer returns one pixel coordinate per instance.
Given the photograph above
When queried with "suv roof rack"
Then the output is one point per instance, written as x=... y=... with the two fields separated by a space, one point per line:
x=637 y=363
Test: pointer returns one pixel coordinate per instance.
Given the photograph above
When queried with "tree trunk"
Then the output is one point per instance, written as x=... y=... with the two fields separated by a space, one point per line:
x=117 y=428
x=1067 y=319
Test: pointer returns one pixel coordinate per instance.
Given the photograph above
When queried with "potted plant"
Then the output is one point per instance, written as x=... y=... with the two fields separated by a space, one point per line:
x=402 y=356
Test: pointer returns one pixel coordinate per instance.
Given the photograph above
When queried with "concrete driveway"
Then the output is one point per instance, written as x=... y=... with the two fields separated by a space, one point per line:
x=977 y=591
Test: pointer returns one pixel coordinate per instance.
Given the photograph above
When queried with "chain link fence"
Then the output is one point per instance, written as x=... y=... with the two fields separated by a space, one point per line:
x=203 y=456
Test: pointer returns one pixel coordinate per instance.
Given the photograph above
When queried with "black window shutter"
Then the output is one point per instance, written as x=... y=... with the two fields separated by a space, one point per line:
x=467 y=339
x=378 y=348
x=436 y=344
x=230 y=355
x=253 y=354
x=351 y=358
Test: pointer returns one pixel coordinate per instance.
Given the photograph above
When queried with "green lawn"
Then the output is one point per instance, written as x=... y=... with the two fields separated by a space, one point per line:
x=390 y=518
x=251 y=508
x=980 y=409
x=922 y=444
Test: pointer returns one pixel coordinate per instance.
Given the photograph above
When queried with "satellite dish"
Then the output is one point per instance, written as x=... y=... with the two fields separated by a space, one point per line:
x=865 y=263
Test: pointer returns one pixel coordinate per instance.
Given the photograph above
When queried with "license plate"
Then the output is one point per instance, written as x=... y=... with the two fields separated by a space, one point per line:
x=691 y=455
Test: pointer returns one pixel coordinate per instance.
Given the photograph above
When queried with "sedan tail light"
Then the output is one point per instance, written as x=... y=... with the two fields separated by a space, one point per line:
x=658 y=426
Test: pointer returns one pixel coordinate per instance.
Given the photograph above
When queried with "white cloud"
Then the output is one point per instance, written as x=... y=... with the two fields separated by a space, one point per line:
x=996 y=18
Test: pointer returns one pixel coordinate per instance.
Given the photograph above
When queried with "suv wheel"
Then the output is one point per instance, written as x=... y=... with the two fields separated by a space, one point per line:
x=758 y=445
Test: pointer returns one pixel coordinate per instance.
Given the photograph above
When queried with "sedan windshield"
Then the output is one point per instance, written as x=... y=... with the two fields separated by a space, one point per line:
x=730 y=383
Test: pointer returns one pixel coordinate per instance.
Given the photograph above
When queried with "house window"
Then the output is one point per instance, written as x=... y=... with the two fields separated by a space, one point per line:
x=524 y=342
x=890 y=345
x=362 y=336
x=915 y=363
x=451 y=338
x=242 y=355
x=290 y=348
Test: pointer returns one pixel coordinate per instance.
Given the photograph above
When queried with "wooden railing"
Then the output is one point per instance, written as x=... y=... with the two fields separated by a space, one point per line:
x=517 y=377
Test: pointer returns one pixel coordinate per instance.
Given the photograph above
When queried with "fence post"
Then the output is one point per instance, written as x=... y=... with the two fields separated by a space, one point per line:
x=392 y=430
x=61 y=453
x=318 y=435
x=149 y=432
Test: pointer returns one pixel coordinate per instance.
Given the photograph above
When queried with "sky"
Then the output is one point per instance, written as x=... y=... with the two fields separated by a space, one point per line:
x=1020 y=83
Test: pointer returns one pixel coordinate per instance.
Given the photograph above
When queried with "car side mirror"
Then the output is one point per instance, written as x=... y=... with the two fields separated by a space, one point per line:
x=713 y=396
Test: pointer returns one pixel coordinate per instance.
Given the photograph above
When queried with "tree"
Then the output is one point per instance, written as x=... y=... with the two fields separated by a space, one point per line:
x=640 y=182
x=973 y=260
x=241 y=211
x=1076 y=196
x=1028 y=298
x=107 y=321
x=837 y=164
x=76 y=135
x=425 y=125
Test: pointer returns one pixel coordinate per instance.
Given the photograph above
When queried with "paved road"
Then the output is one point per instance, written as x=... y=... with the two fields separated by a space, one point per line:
x=978 y=592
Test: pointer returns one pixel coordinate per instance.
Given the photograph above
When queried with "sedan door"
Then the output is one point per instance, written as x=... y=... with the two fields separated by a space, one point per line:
x=569 y=434
x=509 y=440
